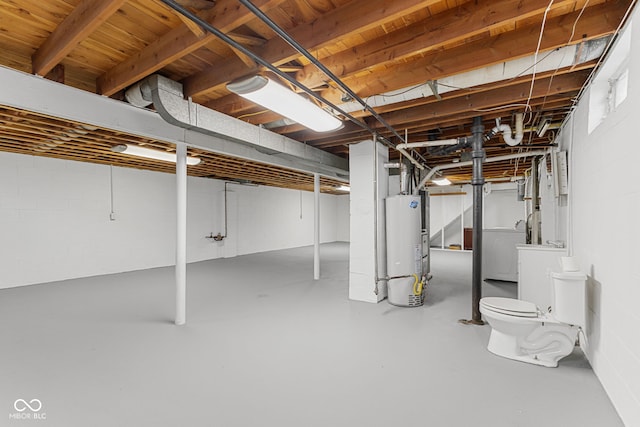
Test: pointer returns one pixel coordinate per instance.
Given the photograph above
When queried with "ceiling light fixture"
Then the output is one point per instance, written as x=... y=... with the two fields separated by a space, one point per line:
x=149 y=153
x=285 y=102
x=344 y=188
x=441 y=181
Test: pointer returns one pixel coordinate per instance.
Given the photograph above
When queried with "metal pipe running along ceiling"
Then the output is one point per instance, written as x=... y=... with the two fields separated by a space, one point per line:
x=222 y=36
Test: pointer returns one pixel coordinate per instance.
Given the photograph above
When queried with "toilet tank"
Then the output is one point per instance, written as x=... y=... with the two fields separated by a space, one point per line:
x=569 y=297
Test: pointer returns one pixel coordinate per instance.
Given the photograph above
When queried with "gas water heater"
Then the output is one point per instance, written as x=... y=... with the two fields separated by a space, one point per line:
x=405 y=286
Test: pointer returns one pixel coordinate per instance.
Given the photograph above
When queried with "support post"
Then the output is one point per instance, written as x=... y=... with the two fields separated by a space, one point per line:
x=477 y=182
x=181 y=234
x=316 y=226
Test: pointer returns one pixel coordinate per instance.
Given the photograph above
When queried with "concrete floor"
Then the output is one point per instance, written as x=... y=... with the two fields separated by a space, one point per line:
x=265 y=345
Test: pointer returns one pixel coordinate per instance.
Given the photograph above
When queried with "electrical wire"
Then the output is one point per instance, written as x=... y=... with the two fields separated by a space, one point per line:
x=257 y=113
x=535 y=56
x=555 y=72
x=489 y=110
x=573 y=30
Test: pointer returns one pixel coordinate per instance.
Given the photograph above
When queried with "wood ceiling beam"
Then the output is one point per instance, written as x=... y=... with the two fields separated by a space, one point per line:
x=439 y=111
x=550 y=103
x=465 y=120
x=462 y=92
x=356 y=16
x=451 y=26
x=78 y=25
x=460 y=120
x=177 y=43
x=489 y=99
x=595 y=22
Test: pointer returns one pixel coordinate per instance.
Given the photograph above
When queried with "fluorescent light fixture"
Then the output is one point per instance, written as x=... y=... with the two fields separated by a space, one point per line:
x=543 y=126
x=344 y=188
x=285 y=102
x=150 y=153
x=441 y=181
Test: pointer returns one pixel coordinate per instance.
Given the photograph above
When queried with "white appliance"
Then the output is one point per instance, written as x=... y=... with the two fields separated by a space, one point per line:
x=404 y=251
x=500 y=253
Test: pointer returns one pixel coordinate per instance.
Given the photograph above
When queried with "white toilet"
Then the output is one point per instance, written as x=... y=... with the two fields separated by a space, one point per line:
x=521 y=331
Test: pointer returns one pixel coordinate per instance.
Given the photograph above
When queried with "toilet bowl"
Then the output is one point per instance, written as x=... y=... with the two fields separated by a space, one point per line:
x=525 y=333
x=521 y=331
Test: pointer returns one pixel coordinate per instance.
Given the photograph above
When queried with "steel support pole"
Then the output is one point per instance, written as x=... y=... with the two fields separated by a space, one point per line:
x=316 y=226
x=181 y=234
x=477 y=182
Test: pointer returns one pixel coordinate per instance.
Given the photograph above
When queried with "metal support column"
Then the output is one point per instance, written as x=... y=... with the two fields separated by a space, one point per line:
x=316 y=226
x=477 y=182
x=181 y=234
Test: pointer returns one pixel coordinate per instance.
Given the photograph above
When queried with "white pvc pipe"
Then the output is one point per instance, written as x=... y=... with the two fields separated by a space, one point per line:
x=411 y=159
x=436 y=143
x=181 y=234
x=506 y=131
x=316 y=226
x=438 y=168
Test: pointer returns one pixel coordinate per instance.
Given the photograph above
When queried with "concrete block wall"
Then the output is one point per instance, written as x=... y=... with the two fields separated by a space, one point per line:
x=603 y=210
x=55 y=219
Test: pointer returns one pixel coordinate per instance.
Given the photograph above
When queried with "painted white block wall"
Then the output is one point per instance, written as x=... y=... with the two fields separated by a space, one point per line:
x=363 y=230
x=501 y=209
x=54 y=219
x=445 y=209
x=501 y=206
x=603 y=234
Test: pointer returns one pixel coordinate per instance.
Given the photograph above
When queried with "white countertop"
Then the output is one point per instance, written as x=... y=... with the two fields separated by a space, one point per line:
x=540 y=248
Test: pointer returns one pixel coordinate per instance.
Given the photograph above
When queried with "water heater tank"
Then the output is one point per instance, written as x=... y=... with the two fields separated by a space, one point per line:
x=404 y=250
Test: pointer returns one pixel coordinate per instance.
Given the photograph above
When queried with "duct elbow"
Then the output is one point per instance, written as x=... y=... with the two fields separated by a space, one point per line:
x=139 y=94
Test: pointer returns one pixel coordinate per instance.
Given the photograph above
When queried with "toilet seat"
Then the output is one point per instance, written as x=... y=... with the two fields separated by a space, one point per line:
x=510 y=306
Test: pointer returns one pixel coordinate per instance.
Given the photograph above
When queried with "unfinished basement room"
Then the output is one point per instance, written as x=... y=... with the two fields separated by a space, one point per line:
x=319 y=213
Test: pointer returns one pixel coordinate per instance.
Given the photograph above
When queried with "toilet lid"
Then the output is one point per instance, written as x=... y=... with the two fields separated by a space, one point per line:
x=510 y=306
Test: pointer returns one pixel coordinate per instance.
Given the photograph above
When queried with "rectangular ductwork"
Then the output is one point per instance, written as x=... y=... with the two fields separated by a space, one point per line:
x=168 y=100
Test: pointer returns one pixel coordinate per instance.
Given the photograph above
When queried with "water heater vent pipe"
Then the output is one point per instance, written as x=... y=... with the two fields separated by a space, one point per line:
x=437 y=168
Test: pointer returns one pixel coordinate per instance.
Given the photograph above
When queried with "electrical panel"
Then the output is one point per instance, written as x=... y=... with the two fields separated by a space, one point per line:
x=561 y=173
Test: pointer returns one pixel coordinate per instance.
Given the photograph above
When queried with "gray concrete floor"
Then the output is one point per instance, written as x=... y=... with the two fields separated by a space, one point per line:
x=265 y=345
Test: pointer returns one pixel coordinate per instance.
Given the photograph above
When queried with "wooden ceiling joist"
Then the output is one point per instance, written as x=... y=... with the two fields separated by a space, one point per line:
x=595 y=22
x=453 y=25
x=354 y=16
x=80 y=23
x=376 y=47
x=174 y=45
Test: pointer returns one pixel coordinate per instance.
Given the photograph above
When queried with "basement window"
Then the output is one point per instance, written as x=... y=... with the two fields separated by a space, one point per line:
x=619 y=88
x=609 y=89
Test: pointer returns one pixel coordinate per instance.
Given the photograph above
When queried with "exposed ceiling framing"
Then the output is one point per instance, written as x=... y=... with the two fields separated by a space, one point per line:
x=373 y=46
